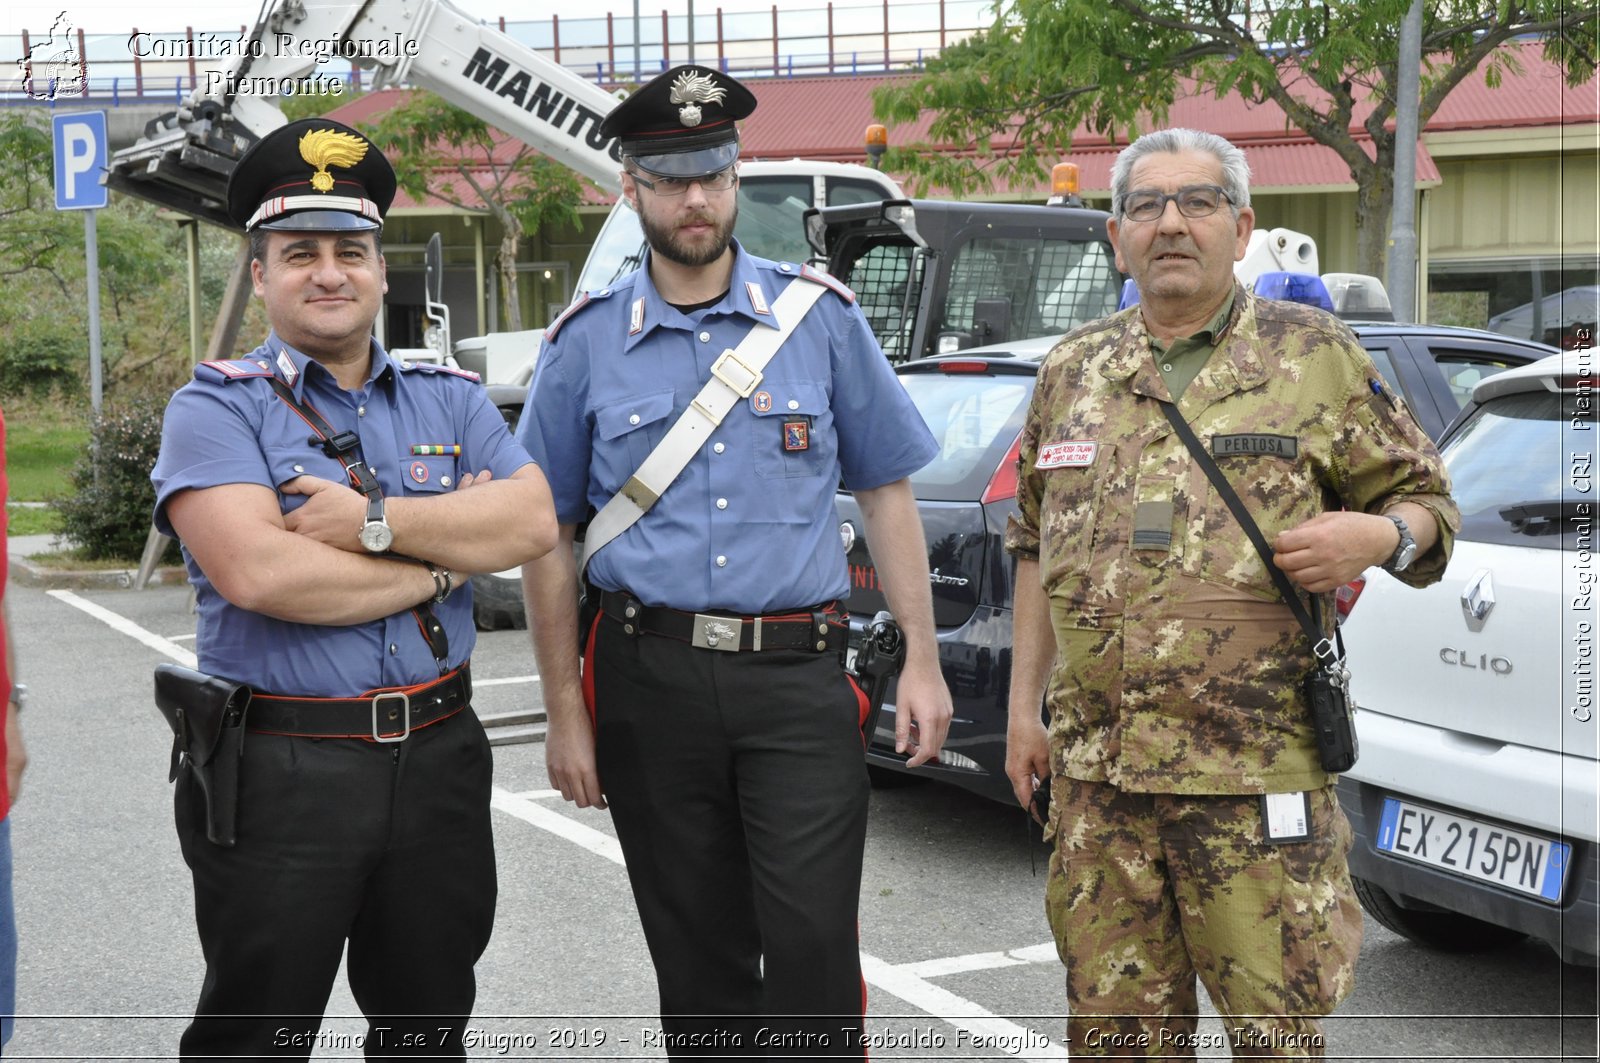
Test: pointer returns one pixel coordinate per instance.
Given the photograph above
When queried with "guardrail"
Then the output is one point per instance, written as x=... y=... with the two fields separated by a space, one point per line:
x=73 y=66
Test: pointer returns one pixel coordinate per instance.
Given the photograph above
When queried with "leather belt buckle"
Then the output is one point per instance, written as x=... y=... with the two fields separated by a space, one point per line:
x=405 y=711
x=739 y=378
x=715 y=633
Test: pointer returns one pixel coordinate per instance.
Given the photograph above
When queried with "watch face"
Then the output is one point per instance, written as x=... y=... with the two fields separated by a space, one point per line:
x=376 y=536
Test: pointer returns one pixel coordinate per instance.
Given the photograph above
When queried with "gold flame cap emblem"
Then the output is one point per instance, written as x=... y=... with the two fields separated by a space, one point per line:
x=322 y=148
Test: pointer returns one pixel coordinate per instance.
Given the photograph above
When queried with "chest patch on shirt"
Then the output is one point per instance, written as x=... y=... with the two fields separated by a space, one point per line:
x=1067 y=454
x=797 y=435
x=1252 y=444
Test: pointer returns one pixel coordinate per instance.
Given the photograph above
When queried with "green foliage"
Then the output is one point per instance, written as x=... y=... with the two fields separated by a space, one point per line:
x=45 y=435
x=1018 y=90
x=310 y=104
x=31 y=520
x=41 y=354
x=143 y=280
x=109 y=515
x=33 y=234
x=441 y=151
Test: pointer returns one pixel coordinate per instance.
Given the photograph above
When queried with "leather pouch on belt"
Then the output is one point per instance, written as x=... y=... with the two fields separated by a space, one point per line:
x=206 y=715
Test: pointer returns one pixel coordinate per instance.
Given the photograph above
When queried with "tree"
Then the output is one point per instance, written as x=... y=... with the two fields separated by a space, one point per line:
x=435 y=145
x=43 y=270
x=1047 y=66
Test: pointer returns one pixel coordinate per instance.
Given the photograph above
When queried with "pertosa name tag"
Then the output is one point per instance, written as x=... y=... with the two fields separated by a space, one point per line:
x=1068 y=454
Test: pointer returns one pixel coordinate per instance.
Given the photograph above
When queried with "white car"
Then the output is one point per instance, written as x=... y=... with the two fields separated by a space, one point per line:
x=1474 y=800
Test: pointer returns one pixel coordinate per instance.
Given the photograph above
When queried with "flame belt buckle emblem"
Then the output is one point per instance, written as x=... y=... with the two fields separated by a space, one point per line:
x=715 y=633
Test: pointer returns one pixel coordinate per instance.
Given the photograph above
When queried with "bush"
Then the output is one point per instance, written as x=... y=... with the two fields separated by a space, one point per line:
x=40 y=356
x=109 y=517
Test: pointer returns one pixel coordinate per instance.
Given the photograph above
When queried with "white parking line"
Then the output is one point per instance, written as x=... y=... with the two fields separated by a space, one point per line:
x=907 y=982
x=983 y=961
x=127 y=627
x=597 y=842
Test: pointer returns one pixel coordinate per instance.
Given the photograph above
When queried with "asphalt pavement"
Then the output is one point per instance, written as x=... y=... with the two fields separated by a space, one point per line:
x=955 y=948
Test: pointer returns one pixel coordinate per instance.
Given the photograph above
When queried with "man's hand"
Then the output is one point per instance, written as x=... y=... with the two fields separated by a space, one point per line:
x=1331 y=549
x=569 y=756
x=1027 y=756
x=16 y=754
x=922 y=713
x=333 y=513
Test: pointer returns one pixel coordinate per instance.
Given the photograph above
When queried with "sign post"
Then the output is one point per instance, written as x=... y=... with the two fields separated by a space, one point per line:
x=80 y=159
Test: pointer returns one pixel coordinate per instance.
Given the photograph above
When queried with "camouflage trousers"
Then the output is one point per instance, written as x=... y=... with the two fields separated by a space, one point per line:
x=1148 y=890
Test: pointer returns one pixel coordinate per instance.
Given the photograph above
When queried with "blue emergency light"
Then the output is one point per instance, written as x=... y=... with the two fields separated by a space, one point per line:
x=1294 y=288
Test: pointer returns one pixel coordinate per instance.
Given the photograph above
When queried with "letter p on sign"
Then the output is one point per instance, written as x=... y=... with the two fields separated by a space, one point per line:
x=80 y=157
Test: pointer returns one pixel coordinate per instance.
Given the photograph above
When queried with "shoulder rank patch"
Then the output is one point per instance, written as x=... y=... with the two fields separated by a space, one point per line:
x=435 y=367
x=219 y=371
x=827 y=280
x=577 y=304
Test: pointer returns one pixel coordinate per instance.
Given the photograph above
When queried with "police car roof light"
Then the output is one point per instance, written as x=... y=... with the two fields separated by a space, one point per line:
x=1294 y=288
x=1358 y=295
x=1130 y=294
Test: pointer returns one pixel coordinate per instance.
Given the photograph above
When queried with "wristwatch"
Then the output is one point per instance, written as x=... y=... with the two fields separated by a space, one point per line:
x=1405 y=552
x=376 y=535
x=19 y=695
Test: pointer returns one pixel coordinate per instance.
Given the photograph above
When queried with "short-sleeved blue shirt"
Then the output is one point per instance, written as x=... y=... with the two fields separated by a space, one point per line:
x=227 y=427
x=749 y=526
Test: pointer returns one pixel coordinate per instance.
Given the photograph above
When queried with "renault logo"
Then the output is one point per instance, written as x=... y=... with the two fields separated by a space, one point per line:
x=1477 y=600
x=847 y=535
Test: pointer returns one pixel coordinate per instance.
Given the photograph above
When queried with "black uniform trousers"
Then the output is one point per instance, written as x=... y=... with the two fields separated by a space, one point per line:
x=738 y=787
x=386 y=846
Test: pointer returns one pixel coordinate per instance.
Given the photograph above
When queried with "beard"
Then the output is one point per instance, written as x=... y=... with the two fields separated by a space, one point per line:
x=665 y=241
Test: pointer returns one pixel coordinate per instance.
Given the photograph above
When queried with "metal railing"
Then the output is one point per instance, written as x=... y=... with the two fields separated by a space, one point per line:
x=73 y=66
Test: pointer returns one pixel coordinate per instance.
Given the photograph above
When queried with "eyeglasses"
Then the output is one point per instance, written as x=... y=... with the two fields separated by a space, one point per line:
x=720 y=181
x=1194 y=201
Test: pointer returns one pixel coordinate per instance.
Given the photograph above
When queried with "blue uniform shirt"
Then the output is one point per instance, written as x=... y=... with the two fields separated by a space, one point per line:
x=227 y=427
x=749 y=526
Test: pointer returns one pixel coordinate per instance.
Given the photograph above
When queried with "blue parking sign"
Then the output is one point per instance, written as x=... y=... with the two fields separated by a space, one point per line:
x=80 y=155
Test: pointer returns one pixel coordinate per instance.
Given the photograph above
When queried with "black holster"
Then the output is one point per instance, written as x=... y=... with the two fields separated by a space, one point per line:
x=207 y=716
x=1332 y=718
x=880 y=658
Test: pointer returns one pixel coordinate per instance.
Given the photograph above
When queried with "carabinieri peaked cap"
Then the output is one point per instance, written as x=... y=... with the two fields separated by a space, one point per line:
x=314 y=174
x=682 y=123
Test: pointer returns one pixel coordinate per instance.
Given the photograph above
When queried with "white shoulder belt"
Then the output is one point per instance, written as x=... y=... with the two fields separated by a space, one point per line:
x=734 y=376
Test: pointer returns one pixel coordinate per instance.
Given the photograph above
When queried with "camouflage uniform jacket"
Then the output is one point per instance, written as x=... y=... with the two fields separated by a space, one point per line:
x=1179 y=665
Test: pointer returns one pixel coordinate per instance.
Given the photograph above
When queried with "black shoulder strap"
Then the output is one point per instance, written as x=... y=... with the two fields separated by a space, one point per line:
x=345 y=447
x=1320 y=646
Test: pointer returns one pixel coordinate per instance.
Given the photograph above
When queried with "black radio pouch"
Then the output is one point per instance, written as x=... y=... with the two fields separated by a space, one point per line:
x=1332 y=719
x=207 y=717
x=1327 y=686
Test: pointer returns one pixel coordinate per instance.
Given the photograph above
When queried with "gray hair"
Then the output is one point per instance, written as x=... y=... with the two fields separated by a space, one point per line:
x=1235 y=170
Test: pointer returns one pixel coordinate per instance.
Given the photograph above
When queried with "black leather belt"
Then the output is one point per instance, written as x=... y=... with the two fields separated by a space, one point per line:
x=814 y=630
x=385 y=715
